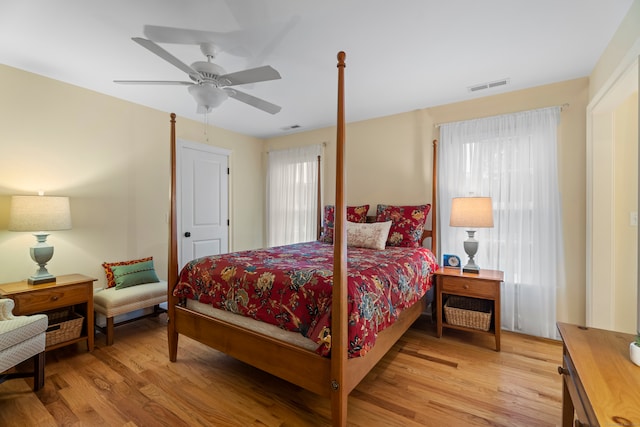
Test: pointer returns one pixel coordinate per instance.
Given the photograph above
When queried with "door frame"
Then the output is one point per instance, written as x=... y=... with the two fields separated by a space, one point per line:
x=600 y=218
x=181 y=144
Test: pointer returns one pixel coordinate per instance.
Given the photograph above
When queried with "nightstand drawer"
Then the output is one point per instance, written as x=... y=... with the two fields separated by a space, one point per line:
x=51 y=298
x=470 y=287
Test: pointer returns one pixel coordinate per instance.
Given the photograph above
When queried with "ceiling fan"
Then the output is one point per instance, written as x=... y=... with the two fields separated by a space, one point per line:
x=210 y=84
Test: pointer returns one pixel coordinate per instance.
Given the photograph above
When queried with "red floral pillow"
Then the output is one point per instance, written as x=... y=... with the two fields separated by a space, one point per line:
x=354 y=214
x=407 y=223
x=109 y=272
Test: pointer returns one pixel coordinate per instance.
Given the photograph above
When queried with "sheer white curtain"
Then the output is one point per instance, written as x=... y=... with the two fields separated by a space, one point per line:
x=292 y=188
x=512 y=159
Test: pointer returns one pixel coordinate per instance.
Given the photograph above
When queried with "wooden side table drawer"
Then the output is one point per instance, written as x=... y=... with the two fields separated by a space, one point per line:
x=470 y=287
x=36 y=301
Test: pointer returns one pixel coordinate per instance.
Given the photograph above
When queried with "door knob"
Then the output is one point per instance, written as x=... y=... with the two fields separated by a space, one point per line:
x=187 y=234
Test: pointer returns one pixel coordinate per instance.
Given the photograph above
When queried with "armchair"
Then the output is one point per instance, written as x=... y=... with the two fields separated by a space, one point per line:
x=21 y=338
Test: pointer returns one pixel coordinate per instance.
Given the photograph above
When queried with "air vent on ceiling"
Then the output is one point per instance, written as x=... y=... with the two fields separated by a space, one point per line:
x=285 y=128
x=488 y=85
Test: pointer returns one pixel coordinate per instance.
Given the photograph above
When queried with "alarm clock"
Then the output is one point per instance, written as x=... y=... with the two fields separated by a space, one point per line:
x=452 y=261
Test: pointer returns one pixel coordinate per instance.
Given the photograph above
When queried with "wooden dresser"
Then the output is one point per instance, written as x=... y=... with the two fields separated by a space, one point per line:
x=601 y=385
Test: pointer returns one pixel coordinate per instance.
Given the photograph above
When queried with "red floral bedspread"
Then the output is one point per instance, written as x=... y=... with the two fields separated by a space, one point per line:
x=290 y=286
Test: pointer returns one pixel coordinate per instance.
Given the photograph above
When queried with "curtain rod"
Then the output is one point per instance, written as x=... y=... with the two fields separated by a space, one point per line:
x=323 y=144
x=562 y=107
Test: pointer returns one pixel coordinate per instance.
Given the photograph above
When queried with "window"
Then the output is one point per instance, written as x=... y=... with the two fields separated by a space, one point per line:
x=512 y=159
x=292 y=201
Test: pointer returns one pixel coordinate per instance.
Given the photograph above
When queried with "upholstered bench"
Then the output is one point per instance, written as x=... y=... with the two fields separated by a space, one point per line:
x=112 y=302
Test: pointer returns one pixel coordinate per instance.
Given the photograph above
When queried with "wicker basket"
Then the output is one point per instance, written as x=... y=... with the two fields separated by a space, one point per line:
x=468 y=312
x=64 y=325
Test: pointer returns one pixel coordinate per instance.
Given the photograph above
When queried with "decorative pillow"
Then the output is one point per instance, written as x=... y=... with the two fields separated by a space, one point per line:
x=134 y=274
x=109 y=265
x=370 y=236
x=354 y=214
x=408 y=223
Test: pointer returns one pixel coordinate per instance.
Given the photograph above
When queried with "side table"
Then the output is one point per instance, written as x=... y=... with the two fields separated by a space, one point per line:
x=68 y=291
x=485 y=285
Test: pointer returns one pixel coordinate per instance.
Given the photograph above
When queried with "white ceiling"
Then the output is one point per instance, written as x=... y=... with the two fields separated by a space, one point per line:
x=401 y=55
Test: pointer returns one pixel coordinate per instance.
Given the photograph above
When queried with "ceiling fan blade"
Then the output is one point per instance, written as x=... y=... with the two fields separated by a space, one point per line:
x=148 y=44
x=260 y=104
x=225 y=41
x=152 y=82
x=252 y=75
x=274 y=42
x=262 y=32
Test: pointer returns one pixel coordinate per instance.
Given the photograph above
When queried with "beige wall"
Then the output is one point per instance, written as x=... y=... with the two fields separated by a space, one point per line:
x=382 y=156
x=389 y=161
x=112 y=158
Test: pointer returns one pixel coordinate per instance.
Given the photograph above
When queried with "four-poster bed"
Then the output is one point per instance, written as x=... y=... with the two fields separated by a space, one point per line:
x=334 y=375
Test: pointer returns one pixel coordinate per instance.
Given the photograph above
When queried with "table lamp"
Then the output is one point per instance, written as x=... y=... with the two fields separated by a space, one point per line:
x=40 y=214
x=471 y=213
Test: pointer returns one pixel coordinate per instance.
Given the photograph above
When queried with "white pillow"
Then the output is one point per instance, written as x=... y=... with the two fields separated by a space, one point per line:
x=368 y=235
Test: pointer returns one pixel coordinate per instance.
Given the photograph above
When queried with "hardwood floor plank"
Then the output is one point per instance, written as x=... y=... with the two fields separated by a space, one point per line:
x=187 y=413
x=61 y=413
x=19 y=406
x=456 y=380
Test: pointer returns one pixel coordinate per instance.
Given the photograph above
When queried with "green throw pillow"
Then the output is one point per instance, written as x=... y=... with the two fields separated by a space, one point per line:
x=134 y=274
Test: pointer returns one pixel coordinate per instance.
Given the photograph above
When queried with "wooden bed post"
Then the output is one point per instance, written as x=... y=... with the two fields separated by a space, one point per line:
x=339 y=329
x=434 y=205
x=172 y=273
x=319 y=203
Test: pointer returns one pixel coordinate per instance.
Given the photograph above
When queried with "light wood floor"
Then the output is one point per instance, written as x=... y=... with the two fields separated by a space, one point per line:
x=457 y=380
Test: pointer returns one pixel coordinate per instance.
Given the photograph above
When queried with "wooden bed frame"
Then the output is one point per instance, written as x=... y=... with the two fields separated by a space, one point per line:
x=333 y=377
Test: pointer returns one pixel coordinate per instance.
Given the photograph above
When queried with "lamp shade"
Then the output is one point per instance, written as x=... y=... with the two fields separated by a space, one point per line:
x=471 y=212
x=39 y=213
x=207 y=96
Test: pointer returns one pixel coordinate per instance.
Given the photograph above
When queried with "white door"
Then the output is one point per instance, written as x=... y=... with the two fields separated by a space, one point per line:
x=203 y=200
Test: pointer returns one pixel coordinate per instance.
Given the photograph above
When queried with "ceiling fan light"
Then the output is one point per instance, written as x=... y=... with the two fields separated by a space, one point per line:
x=208 y=96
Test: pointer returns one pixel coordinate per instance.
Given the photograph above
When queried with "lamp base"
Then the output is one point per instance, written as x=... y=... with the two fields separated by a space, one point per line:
x=471 y=269
x=37 y=280
x=41 y=253
x=471 y=247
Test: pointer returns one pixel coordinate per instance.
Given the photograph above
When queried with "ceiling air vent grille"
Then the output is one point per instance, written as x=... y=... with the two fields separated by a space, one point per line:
x=285 y=128
x=488 y=85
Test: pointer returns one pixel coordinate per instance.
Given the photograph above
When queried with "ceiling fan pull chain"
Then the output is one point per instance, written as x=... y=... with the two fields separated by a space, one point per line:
x=206 y=125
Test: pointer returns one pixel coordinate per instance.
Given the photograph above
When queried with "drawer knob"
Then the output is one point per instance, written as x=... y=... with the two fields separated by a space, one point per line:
x=563 y=371
x=466 y=286
x=54 y=298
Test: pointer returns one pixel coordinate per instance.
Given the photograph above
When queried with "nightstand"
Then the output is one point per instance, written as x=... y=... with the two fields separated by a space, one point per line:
x=73 y=291
x=485 y=286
